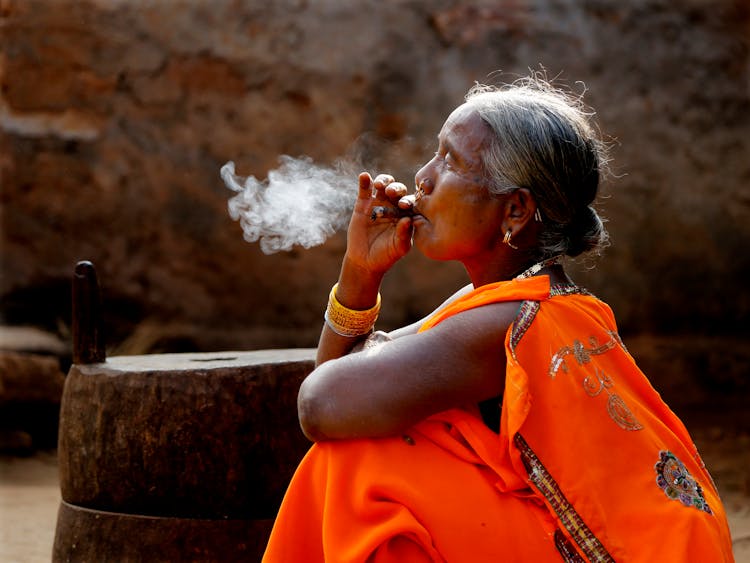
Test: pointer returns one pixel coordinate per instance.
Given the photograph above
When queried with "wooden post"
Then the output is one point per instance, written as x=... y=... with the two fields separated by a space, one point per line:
x=88 y=336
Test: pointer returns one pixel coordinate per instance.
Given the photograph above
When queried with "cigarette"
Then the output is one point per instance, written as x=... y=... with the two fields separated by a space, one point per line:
x=382 y=212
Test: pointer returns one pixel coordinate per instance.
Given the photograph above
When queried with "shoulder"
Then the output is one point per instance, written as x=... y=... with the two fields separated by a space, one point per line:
x=489 y=318
x=481 y=330
x=570 y=312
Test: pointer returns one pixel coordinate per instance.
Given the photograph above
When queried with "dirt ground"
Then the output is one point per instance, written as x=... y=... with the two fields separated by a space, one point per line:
x=29 y=496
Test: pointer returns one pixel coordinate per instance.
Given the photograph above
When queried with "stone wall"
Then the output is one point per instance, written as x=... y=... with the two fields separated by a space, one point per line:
x=116 y=116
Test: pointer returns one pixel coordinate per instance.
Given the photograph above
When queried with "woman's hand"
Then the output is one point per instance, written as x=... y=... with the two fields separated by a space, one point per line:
x=375 y=244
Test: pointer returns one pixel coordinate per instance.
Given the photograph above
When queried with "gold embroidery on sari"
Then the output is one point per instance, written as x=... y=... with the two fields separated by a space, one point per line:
x=581 y=353
x=528 y=310
x=594 y=384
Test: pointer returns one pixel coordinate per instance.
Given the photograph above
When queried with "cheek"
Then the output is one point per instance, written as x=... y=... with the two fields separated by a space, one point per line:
x=484 y=221
x=480 y=208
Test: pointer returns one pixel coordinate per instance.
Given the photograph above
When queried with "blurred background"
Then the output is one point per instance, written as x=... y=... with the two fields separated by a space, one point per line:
x=117 y=115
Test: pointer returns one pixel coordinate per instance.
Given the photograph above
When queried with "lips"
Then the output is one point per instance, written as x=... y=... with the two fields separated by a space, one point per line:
x=412 y=200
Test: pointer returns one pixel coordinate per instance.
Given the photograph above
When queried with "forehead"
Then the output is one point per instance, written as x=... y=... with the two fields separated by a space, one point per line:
x=465 y=130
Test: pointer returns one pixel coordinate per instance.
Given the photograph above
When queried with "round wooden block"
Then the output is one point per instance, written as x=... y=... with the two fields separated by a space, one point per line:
x=185 y=435
x=83 y=534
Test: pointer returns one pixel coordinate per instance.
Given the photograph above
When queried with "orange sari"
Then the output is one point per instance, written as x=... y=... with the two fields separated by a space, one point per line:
x=589 y=464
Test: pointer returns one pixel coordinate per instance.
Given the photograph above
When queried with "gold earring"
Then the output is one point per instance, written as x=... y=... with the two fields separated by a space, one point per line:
x=506 y=239
x=538 y=215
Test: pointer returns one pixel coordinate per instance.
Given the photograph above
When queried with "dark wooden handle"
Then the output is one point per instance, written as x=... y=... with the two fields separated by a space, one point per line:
x=88 y=336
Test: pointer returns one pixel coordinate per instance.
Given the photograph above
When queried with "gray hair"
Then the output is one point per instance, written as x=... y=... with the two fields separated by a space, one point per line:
x=544 y=141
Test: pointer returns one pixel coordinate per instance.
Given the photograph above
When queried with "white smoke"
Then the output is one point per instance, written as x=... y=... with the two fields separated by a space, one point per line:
x=300 y=203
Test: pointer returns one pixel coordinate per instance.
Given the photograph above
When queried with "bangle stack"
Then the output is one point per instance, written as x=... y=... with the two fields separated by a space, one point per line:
x=350 y=322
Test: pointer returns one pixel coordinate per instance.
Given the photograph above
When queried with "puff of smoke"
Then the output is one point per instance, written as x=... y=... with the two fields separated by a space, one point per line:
x=300 y=203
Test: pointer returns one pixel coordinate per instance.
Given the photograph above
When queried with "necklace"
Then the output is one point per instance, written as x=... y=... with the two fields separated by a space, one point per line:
x=537 y=267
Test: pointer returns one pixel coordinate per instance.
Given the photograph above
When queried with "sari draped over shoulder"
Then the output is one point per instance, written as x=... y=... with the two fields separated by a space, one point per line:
x=589 y=463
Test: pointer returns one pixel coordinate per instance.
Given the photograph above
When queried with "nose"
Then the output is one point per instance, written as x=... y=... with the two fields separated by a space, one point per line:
x=424 y=187
x=423 y=180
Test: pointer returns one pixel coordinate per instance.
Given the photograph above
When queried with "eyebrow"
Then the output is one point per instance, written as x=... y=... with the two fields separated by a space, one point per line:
x=454 y=153
x=446 y=143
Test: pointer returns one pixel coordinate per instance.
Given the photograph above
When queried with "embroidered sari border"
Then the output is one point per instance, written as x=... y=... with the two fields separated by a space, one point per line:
x=569 y=517
x=526 y=314
x=567 y=551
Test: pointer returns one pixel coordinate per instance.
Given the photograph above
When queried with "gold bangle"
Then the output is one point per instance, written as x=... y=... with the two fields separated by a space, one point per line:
x=349 y=322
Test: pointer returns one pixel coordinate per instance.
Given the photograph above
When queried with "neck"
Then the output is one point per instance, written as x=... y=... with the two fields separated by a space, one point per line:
x=485 y=272
x=496 y=267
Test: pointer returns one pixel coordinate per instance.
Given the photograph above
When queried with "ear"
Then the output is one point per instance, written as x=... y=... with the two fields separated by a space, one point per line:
x=519 y=210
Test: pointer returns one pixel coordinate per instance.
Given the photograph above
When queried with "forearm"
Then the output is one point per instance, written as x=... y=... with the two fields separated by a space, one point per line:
x=357 y=289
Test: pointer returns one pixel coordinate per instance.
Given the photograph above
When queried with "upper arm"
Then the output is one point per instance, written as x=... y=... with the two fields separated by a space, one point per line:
x=385 y=389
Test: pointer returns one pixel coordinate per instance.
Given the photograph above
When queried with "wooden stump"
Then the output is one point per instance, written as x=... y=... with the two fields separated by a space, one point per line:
x=180 y=443
x=97 y=536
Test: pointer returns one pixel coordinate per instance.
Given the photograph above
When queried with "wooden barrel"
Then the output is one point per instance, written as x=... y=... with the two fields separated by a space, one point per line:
x=177 y=456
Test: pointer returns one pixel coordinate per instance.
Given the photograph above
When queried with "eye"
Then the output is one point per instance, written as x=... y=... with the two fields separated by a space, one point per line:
x=449 y=160
x=444 y=156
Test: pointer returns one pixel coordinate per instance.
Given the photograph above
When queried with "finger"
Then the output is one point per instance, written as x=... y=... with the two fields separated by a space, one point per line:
x=382 y=180
x=396 y=190
x=403 y=235
x=407 y=202
x=365 y=185
x=365 y=193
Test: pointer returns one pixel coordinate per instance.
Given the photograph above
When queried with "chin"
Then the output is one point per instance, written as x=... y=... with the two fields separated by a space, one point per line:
x=430 y=249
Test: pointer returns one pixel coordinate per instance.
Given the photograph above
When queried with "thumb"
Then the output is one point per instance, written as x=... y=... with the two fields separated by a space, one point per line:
x=402 y=235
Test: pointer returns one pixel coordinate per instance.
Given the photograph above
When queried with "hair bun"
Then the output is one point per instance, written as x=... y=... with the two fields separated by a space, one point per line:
x=585 y=232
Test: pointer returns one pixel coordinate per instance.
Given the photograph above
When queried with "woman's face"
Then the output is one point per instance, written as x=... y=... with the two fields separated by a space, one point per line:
x=456 y=217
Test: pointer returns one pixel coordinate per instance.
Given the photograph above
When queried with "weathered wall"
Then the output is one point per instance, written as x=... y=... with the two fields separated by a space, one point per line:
x=116 y=116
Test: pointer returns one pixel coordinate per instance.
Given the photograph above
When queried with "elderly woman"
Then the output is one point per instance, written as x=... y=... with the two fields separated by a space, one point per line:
x=511 y=424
